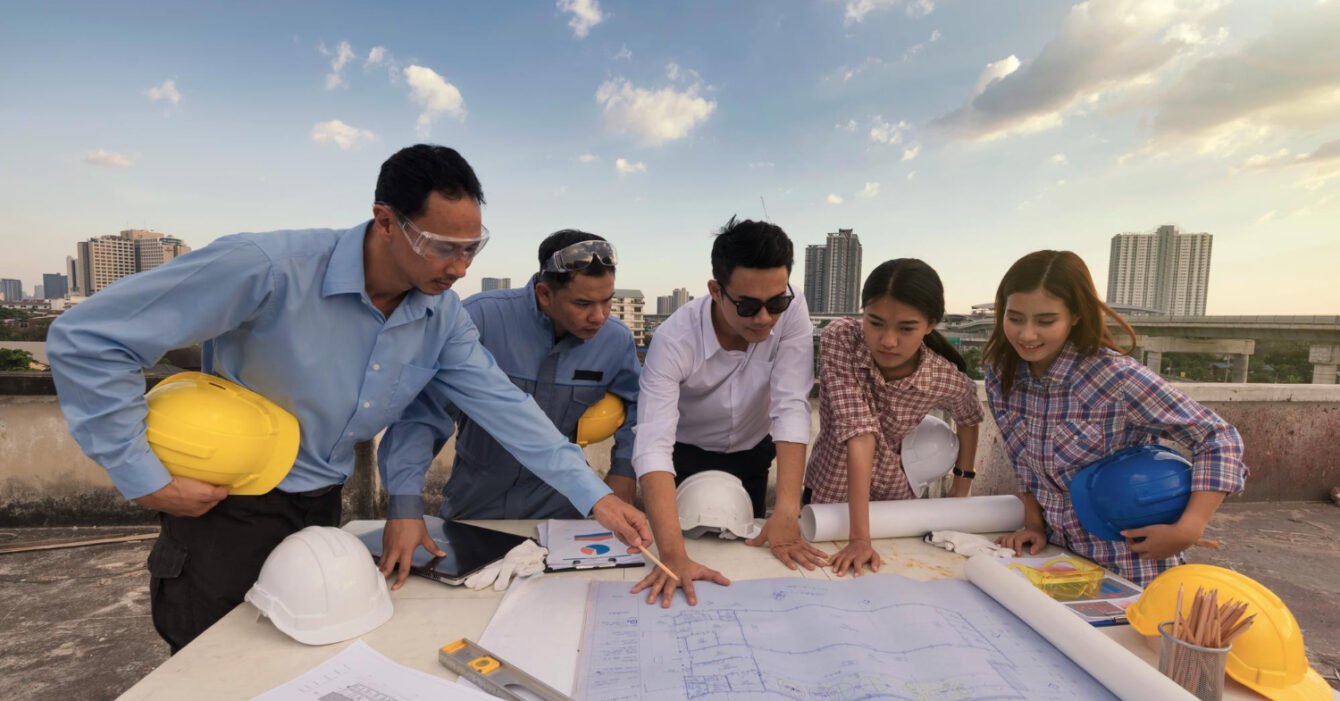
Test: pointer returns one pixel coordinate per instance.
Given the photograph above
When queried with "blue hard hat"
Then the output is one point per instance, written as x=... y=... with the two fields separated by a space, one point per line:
x=1131 y=488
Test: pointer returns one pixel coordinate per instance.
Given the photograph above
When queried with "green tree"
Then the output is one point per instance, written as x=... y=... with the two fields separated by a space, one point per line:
x=14 y=359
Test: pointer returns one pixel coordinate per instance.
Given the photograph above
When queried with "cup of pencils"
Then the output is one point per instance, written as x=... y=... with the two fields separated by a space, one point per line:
x=1194 y=647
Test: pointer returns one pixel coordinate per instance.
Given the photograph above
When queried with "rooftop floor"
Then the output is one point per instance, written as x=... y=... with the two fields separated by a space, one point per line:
x=79 y=627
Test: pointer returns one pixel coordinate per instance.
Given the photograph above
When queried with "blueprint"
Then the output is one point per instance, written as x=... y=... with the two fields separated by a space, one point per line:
x=876 y=637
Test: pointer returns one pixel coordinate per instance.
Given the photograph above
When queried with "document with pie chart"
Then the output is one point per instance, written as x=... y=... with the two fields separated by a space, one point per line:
x=583 y=544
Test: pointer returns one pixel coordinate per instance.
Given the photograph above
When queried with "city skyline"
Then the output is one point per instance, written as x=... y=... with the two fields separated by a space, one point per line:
x=963 y=134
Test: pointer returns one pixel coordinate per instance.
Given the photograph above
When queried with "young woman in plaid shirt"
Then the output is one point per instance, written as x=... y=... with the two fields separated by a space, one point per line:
x=1064 y=394
x=878 y=378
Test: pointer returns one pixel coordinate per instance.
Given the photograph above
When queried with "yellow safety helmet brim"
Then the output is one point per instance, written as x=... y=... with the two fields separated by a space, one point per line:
x=1312 y=687
x=216 y=431
x=600 y=420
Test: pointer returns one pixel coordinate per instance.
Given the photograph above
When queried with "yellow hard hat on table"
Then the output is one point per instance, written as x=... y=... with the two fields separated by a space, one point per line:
x=1269 y=658
x=209 y=429
x=600 y=420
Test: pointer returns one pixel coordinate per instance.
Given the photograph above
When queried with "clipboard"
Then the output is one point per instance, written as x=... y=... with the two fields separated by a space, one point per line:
x=583 y=545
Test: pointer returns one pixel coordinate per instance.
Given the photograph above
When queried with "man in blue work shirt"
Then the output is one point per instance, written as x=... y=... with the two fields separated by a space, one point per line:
x=557 y=342
x=343 y=329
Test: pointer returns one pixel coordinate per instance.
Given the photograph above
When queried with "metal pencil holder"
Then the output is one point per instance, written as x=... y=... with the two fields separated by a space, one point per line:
x=1197 y=669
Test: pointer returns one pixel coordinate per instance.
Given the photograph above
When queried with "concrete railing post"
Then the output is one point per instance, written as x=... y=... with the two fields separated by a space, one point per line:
x=1238 y=373
x=1325 y=361
x=362 y=492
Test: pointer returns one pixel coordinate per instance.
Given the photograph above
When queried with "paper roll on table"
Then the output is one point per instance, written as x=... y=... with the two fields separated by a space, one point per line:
x=1104 y=659
x=915 y=517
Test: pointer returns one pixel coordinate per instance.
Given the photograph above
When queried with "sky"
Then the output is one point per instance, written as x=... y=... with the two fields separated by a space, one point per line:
x=964 y=133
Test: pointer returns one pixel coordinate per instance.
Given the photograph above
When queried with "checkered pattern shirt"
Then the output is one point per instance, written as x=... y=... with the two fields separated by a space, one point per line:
x=854 y=398
x=1087 y=407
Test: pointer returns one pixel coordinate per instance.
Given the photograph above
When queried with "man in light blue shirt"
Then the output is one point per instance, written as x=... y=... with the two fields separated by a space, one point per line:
x=342 y=328
x=555 y=339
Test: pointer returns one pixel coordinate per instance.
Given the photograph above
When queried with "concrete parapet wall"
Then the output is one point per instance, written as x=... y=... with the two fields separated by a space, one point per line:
x=1291 y=432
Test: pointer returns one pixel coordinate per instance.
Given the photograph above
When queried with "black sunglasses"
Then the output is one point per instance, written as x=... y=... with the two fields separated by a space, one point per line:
x=748 y=306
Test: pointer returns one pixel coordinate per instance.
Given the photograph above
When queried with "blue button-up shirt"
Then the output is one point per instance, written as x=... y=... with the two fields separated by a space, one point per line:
x=286 y=314
x=565 y=377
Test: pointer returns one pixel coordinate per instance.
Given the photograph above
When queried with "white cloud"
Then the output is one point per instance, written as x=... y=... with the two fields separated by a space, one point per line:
x=655 y=117
x=915 y=49
x=882 y=132
x=833 y=199
x=624 y=54
x=111 y=159
x=1267 y=216
x=849 y=127
x=1103 y=46
x=846 y=73
x=856 y=10
x=1059 y=159
x=911 y=152
x=625 y=168
x=167 y=92
x=375 y=56
x=588 y=158
x=870 y=190
x=1287 y=78
x=585 y=14
x=912 y=175
x=341 y=134
x=996 y=71
x=340 y=57
x=435 y=95
x=761 y=164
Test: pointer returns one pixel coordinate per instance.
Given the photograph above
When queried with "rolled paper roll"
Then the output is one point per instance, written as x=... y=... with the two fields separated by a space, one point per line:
x=916 y=517
x=1124 y=674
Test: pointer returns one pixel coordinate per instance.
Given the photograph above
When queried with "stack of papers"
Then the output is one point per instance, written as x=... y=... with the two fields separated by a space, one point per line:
x=583 y=544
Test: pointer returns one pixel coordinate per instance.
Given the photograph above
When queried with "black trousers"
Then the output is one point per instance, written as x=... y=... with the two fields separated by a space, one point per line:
x=751 y=466
x=201 y=567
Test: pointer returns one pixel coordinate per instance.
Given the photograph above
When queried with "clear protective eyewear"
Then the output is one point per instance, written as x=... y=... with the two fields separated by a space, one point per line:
x=436 y=246
x=580 y=256
x=749 y=306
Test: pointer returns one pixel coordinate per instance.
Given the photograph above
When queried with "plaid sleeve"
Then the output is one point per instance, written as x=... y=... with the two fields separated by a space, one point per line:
x=965 y=407
x=1025 y=480
x=1216 y=446
x=842 y=387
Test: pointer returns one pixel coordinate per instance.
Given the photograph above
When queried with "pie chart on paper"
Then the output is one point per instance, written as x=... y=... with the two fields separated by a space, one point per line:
x=595 y=549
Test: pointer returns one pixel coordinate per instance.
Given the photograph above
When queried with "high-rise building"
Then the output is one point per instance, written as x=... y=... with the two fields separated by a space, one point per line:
x=495 y=283
x=667 y=304
x=1166 y=271
x=102 y=260
x=54 y=286
x=833 y=274
x=72 y=274
x=11 y=290
x=627 y=305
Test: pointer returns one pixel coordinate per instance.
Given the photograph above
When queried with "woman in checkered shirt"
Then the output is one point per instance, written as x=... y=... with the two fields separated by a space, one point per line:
x=1065 y=394
x=878 y=378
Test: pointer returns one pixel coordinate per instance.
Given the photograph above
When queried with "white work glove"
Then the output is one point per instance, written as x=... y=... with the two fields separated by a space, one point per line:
x=967 y=544
x=523 y=560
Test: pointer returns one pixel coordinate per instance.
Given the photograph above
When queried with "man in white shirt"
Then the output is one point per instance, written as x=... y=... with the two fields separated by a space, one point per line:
x=726 y=387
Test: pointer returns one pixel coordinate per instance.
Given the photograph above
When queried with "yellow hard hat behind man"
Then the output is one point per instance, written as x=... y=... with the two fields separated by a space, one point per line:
x=209 y=429
x=600 y=420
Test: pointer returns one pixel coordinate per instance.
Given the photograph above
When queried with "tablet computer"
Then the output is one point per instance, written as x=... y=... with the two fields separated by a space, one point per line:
x=469 y=549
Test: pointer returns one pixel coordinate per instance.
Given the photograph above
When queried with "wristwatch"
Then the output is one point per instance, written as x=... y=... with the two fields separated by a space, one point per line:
x=965 y=474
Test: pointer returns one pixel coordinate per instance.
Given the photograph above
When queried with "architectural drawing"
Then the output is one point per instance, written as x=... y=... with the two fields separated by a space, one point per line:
x=878 y=637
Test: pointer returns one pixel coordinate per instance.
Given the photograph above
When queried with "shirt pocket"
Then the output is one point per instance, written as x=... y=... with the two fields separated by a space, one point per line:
x=1013 y=434
x=1078 y=443
x=408 y=384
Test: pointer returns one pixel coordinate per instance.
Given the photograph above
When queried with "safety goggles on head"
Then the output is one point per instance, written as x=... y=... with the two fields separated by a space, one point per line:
x=579 y=256
x=436 y=246
x=748 y=306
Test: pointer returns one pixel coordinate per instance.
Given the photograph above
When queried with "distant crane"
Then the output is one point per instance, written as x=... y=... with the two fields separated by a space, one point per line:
x=765 y=208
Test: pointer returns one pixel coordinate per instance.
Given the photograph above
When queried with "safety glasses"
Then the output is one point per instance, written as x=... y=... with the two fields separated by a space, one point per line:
x=435 y=246
x=748 y=306
x=579 y=256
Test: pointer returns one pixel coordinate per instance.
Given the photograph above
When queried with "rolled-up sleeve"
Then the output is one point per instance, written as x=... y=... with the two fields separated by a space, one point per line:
x=100 y=348
x=667 y=365
x=471 y=380
x=793 y=376
x=1216 y=446
x=850 y=413
x=625 y=386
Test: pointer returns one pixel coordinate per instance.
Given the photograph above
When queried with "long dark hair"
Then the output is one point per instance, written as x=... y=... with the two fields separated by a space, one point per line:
x=912 y=282
x=1063 y=275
